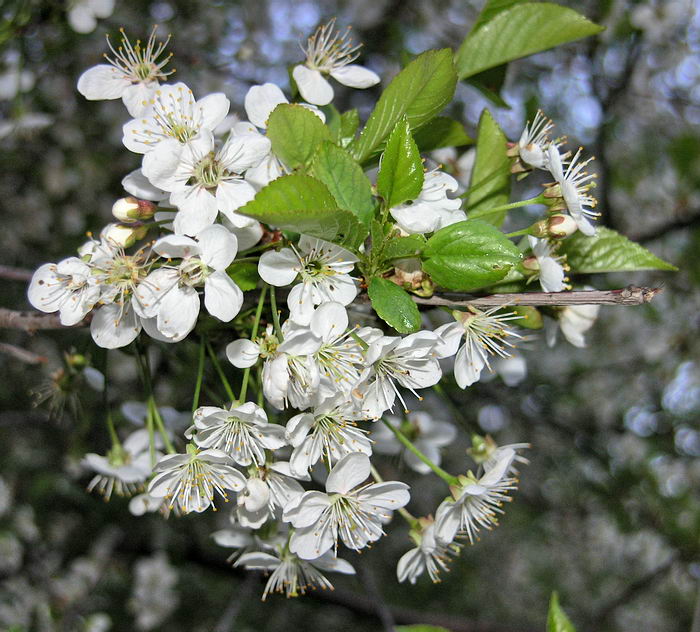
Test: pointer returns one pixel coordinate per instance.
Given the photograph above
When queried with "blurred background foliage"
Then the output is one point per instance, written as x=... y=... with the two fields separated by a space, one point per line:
x=608 y=512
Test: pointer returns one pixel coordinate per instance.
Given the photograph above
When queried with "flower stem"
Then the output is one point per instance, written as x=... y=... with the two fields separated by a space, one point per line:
x=253 y=334
x=445 y=476
x=200 y=375
x=220 y=371
x=275 y=314
x=161 y=426
x=506 y=207
x=518 y=233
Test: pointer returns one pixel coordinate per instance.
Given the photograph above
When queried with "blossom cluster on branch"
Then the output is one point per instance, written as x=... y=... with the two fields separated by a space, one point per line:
x=230 y=212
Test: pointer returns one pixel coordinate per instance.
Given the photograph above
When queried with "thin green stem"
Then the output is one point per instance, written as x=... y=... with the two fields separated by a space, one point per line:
x=275 y=314
x=445 y=476
x=200 y=374
x=506 y=207
x=519 y=233
x=220 y=372
x=253 y=335
x=105 y=403
x=160 y=425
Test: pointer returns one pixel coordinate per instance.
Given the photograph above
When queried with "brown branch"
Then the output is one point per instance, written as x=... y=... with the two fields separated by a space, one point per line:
x=630 y=295
x=23 y=355
x=15 y=274
x=31 y=321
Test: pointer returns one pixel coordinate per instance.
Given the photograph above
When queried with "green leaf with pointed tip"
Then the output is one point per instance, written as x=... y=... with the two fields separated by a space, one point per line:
x=295 y=133
x=419 y=92
x=394 y=305
x=557 y=621
x=400 y=176
x=519 y=31
x=332 y=121
x=469 y=255
x=490 y=181
x=608 y=251
x=400 y=247
x=305 y=205
x=346 y=181
x=489 y=11
x=441 y=132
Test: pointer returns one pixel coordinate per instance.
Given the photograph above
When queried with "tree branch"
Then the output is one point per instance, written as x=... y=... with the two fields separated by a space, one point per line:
x=31 y=321
x=630 y=295
x=15 y=274
x=23 y=355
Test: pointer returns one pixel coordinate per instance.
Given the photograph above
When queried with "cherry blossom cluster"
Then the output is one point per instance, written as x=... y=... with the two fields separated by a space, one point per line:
x=332 y=386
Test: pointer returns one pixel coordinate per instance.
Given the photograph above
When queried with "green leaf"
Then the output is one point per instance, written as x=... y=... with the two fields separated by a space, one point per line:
x=441 y=132
x=295 y=133
x=490 y=181
x=400 y=176
x=489 y=11
x=469 y=255
x=349 y=122
x=608 y=251
x=518 y=31
x=528 y=317
x=419 y=91
x=305 y=205
x=399 y=247
x=244 y=274
x=557 y=621
x=332 y=121
x=394 y=305
x=490 y=83
x=345 y=180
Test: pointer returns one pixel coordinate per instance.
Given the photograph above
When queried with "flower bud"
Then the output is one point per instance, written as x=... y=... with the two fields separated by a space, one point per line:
x=130 y=209
x=561 y=226
x=124 y=235
x=531 y=264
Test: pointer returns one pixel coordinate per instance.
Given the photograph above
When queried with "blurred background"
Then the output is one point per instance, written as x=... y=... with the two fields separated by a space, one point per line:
x=608 y=512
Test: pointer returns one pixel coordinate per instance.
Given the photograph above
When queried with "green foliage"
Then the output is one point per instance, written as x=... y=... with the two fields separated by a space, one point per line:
x=349 y=122
x=401 y=247
x=244 y=274
x=490 y=181
x=419 y=91
x=469 y=255
x=345 y=180
x=528 y=317
x=305 y=205
x=557 y=621
x=295 y=133
x=400 y=175
x=608 y=251
x=394 y=305
x=504 y=33
x=441 y=132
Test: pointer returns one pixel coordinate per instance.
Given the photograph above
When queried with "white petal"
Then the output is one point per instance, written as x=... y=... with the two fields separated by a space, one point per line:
x=176 y=247
x=468 y=367
x=279 y=268
x=222 y=297
x=137 y=98
x=260 y=101
x=551 y=275
x=140 y=187
x=161 y=163
x=329 y=321
x=218 y=246
x=390 y=495
x=313 y=87
x=214 y=108
x=307 y=510
x=230 y=196
x=352 y=470
x=355 y=76
x=242 y=353
x=114 y=326
x=450 y=335
x=178 y=311
x=102 y=82
x=198 y=209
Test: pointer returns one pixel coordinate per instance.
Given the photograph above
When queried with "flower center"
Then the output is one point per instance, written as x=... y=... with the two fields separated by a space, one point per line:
x=328 y=49
x=140 y=64
x=208 y=172
x=193 y=272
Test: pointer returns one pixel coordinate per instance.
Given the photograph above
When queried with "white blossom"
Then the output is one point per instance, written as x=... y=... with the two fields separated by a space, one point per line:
x=348 y=509
x=190 y=480
x=132 y=73
x=485 y=334
x=433 y=208
x=329 y=52
x=534 y=142
x=204 y=181
x=83 y=14
x=323 y=269
x=176 y=117
x=169 y=293
x=573 y=185
x=574 y=321
x=550 y=271
x=292 y=575
x=242 y=432
x=476 y=502
x=430 y=555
